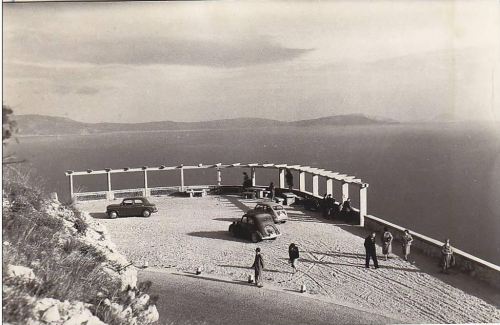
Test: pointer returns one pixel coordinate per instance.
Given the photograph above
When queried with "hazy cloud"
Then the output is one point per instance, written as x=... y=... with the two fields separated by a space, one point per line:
x=148 y=50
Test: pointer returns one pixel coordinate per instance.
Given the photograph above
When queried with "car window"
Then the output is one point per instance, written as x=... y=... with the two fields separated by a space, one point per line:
x=250 y=221
x=259 y=207
x=278 y=207
x=128 y=202
x=244 y=219
x=138 y=201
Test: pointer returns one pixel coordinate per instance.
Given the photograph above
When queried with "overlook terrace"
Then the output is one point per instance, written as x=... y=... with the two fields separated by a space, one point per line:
x=466 y=262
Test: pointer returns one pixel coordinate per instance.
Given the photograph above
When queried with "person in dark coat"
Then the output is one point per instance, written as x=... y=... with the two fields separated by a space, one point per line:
x=371 y=251
x=293 y=254
x=330 y=204
x=289 y=179
x=247 y=182
x=258 y=266
x=272 y=191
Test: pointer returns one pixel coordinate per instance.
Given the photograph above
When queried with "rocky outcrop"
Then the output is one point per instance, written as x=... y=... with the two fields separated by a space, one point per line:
x=130 y=306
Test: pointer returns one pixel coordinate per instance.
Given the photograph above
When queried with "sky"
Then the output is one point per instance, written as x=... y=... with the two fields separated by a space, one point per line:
x=286 y=60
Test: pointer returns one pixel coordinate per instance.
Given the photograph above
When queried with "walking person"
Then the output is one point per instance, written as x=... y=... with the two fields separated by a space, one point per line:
x=293 y=254
x=371 y=251
x=258 y=266
x=387 y=243
x=447 y=258
x=406 y=241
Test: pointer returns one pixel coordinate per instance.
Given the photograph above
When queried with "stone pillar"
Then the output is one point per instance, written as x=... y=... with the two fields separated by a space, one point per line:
x=329 y=186
x=282 y=178
x=302 y=181
x=146 y=189
x=252 y=175
x=71 y=193
x=363 y=203
x=345 y=191
x=219 y=177
x=315 y=184
x=182 y=179
x=109 y=195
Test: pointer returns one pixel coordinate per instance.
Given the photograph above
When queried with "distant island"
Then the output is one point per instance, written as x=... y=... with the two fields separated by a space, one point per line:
x=52 y=125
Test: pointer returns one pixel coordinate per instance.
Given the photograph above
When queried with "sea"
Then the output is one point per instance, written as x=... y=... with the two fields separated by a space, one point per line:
x=441 y=180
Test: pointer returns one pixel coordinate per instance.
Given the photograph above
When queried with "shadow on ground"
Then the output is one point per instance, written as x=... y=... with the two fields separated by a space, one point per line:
x=99 y=215
x=217 y=234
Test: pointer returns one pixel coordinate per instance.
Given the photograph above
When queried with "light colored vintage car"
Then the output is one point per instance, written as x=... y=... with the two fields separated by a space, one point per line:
x=276 y=211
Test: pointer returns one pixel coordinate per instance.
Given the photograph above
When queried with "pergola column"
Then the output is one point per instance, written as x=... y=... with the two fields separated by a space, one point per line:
x=146 y=189
x=252 y=175
x=315 y=184
x=71 y=193
x=302 y=181
x=363 y=203
x=109 y=193
x=282 y=178
x=345 y=191
x=182 y=179
x=329 y=186
x=219 y=177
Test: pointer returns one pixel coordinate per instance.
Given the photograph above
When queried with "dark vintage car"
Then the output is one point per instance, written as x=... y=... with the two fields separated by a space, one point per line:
x=276 y=211
x=255 y=227
x=133 y=206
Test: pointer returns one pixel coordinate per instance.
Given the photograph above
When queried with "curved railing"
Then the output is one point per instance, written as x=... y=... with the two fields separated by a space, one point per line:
x=466 y=262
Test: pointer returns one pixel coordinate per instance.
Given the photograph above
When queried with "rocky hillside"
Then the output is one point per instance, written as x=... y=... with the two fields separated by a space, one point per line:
x=60 y=266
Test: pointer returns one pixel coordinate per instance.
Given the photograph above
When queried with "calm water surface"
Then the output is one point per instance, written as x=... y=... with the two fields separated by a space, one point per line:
x=440 y=180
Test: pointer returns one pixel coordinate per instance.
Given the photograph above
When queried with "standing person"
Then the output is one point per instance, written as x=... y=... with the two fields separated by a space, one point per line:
x=289 y=179
x=447 y=256
x=293 y=253
x=272 y=191
x=371 y=251
x=258 y=266
x=387 y=243
x=330 y=203
x=246 y=181
x=406 y=241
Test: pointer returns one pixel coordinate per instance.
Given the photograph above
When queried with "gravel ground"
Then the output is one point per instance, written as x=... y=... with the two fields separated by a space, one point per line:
x=191 y=232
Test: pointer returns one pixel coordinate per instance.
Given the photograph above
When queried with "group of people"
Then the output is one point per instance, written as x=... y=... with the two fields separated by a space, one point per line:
x=258 y=264
x=447 y=260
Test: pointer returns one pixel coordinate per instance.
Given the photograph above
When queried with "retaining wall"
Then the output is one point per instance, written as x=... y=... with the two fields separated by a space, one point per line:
x=464 y=262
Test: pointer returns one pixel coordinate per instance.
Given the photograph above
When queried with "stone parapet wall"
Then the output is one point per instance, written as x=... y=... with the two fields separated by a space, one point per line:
x=464 y=262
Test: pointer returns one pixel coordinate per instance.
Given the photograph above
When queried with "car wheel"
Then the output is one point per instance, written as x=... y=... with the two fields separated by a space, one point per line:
x=255 y=237
x=146 y=213
x=113 y=215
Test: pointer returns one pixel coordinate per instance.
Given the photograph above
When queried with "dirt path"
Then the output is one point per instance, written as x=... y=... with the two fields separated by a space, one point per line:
x=188 y=233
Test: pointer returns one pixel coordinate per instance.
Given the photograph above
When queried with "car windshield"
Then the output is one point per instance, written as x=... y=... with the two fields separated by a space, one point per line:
x=277 y=207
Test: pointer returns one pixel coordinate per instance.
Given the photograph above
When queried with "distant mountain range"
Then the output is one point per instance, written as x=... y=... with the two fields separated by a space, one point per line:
x=51 y=125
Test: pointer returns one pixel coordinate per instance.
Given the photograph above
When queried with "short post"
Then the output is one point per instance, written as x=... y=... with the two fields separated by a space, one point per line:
x=252 y=175
x=182 y=178
x=315 y=184
x=329 y=186
x=363 y=202
x=219 y=177
x=345 y=191
x=146 y=189
x=282 y=178
x=302 y=181
x=109 y=194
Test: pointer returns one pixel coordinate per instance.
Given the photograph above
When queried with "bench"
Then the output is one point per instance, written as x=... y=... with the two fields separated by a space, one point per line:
x=192 y=192
x=248 y=194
